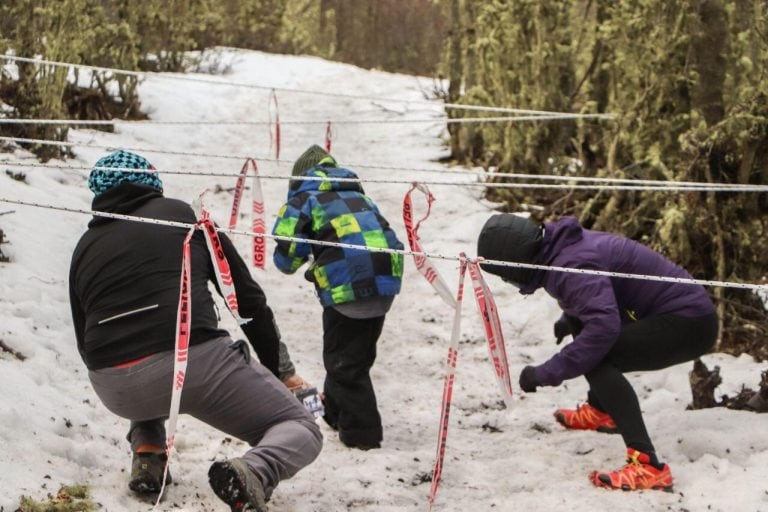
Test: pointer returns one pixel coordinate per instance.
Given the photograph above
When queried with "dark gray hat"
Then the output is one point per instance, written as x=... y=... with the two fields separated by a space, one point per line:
x=313 y=156
x=508 y=237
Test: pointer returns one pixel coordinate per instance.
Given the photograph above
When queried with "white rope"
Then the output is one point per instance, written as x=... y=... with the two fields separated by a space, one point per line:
x=436 y=120
x=141 y=74
x=668 y=186
x=45 y=142
x=723 y=284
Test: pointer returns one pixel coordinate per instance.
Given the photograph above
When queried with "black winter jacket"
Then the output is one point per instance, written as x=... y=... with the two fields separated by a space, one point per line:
x=124 y=283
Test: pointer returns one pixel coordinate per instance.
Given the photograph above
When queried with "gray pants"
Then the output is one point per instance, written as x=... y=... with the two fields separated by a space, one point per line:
x=243 y=400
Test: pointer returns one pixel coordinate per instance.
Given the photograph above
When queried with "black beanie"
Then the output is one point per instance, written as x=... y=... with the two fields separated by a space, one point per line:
x=508 y=237
x=313 y=156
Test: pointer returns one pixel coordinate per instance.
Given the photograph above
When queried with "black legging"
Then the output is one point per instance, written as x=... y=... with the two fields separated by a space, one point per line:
x=649 y=344
x=349 y=351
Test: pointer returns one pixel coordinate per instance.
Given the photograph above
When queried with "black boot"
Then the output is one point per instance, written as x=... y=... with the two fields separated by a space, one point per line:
x=237 y=486
x=147 y=472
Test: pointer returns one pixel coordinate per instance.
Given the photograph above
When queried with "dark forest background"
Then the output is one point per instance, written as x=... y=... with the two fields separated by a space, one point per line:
x=686 y=80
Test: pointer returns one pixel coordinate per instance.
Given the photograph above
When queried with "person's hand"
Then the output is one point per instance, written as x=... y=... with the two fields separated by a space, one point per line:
x=528 y=380
x=296 y=383
x=566 y=326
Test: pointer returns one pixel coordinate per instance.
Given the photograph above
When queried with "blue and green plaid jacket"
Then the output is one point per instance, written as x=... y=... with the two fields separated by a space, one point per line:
x=336 y=211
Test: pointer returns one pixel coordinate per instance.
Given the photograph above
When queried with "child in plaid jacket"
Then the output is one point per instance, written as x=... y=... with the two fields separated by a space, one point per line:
x=356 y=287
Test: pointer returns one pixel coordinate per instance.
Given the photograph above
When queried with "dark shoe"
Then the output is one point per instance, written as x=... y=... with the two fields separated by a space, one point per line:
x=363 y=446
x=360 y=439
x=147 y=472
x=237 y=486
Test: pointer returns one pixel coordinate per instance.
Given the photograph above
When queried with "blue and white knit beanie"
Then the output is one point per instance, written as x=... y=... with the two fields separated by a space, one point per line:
x=102 y=179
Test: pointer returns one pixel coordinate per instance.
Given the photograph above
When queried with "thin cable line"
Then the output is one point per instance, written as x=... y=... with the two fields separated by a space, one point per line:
x=631 y=184
x=45 y=142
x=187 y=226
x=141 y=74
x=665 y=188
x=459 y=120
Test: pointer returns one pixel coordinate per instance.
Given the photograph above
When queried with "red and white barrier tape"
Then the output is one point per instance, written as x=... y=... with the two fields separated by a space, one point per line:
x=445 y=406
x=184 y=315
x=275 y=139
x=221 y=267
x=493 y=333
x=181 y=350
x=489 y=314
x=423 y=263
x=258 y=225
x=328 y=137
x=218 y=258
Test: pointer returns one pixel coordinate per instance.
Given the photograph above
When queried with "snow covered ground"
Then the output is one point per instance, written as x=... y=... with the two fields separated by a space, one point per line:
x=54 y=431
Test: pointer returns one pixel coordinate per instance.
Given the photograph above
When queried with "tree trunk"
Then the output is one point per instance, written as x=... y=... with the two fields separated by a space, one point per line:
x=474 y=135
x=600 y=54
x=709 y=45
x=455 y=78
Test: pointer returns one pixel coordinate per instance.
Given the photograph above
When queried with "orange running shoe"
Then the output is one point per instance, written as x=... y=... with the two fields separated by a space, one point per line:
x=586 y=417
x=637 y=475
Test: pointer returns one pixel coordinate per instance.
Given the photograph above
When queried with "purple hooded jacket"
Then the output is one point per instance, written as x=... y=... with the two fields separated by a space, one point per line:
x=603 y=303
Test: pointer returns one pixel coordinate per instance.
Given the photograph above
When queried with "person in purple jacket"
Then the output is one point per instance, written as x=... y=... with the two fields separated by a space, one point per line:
x=618 y=325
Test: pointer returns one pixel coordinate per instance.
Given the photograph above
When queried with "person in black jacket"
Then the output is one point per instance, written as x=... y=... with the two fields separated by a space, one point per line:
x=124 y=294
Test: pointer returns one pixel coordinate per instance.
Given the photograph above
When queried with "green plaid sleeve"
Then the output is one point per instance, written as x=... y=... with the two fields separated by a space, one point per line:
x=290 y=255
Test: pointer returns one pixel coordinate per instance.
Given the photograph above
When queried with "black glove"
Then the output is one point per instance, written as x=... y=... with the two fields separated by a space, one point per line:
x=528 y=380
x=566 y=325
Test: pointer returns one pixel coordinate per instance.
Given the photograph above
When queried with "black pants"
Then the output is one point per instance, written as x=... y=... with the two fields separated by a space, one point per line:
x=349 y=350
x=649 y=344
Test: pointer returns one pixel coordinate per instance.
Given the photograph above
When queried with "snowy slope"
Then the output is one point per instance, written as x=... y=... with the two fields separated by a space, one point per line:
x=53 y=429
